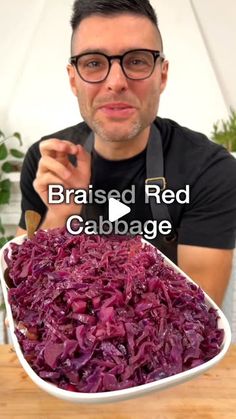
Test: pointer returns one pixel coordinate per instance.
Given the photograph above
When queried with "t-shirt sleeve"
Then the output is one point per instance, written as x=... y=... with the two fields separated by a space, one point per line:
x=30 y=200
x=210 y=218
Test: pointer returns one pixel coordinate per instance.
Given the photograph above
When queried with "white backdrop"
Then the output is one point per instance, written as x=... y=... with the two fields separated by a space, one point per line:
x=35 y=97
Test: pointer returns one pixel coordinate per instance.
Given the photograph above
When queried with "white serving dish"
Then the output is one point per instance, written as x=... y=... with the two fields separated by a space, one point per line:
x=118 y=395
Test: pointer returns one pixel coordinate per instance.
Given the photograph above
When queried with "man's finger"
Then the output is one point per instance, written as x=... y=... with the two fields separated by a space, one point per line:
x=41 y=183
x=49 y=164
x=57 y=148
x=82 y=155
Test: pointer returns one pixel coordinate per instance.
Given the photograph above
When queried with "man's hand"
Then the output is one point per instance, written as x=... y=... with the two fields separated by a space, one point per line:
x=56 y=168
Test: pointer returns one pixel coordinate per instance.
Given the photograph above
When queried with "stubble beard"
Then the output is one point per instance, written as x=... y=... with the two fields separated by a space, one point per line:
x=120 y=133
x=117 y=135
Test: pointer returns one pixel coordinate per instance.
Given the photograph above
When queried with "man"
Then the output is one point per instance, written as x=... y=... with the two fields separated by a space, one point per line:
x=118 y=72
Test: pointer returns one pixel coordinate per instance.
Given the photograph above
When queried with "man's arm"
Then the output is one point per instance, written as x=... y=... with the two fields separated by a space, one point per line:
x=209 y=268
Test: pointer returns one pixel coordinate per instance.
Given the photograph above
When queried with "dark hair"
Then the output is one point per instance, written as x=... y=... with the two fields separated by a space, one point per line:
x=86 y=8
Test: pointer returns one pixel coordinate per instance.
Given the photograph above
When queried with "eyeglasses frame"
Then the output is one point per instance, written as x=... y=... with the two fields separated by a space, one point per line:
x=156 y=54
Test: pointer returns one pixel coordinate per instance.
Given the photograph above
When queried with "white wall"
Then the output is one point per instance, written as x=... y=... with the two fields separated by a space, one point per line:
x=193 y=96
x=35 y=43
x=35 y=97
x=216 y=19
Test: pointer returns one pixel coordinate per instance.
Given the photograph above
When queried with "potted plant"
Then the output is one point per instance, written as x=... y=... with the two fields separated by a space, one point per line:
x=224 y=132
x=10 y=161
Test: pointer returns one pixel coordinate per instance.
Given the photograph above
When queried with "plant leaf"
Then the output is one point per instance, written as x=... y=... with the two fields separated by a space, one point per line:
x=16 y=153
x=3 y=241
x=224 y=131
x=17 y=135
x=5 y=185
x=2 y=229
x=2 y=306
x=7 y=167
x=4 y=197
x=5 y=189
x=3 y=152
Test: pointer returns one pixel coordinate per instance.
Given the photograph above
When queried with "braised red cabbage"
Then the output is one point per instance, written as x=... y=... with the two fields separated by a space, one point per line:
x=99 y=313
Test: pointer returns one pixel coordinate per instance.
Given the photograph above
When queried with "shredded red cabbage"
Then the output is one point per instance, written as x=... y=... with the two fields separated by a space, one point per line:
x=99 y=313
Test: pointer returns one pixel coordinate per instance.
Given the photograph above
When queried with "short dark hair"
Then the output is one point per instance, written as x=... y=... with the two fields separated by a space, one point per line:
x=85 y=8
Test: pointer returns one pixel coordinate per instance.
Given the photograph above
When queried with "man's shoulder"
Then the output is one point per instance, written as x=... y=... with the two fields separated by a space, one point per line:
x=184 y=141
x=76 y=133
x=172 y=131
x=191 y=153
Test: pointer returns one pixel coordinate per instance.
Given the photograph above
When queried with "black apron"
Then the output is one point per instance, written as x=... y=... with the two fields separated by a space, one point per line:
x=155 y=176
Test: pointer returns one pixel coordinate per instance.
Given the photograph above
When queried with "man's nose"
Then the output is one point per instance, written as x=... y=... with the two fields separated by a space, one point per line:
x=116 y=79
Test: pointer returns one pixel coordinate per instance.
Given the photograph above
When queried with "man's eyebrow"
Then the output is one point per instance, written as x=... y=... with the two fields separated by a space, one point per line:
x=93 y=50
x=105 y=51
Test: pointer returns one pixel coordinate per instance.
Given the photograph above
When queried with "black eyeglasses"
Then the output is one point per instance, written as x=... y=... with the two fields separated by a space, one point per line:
x=138 y=64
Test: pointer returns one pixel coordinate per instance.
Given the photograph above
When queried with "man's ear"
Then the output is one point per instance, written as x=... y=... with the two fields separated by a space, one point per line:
x=72 y=78
x=164 y=74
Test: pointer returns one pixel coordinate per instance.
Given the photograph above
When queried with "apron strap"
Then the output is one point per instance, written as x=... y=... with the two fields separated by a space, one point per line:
x=155 y=173
x=89 y=143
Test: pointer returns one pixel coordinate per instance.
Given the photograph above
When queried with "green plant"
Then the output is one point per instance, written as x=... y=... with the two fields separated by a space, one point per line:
x=9 y=158
x=224 y=132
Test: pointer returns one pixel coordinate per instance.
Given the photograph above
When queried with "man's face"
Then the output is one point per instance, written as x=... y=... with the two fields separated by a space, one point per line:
x=137 y=100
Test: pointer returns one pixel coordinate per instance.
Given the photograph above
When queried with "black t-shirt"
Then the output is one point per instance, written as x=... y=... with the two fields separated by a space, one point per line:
x=121 y=175
x=209 y=220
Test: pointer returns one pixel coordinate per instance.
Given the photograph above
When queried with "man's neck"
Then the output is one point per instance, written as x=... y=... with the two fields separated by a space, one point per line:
x=120 y=150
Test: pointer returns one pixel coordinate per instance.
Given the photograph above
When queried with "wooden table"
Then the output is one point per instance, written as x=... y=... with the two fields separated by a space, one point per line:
x=210 y=396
